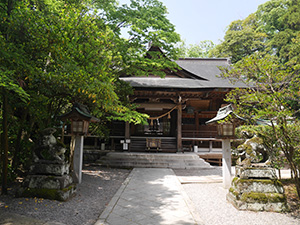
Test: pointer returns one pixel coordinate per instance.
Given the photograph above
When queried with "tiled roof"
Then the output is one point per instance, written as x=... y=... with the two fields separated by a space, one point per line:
x=206 y=75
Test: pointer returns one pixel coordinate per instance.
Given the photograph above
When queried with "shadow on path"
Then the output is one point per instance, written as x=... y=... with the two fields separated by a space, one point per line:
x=150 y=196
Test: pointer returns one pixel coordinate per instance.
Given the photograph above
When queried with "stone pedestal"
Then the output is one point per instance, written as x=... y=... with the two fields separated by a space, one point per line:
x=49 y=175
x=257 y=189
x=50 y=180
x=49 y=167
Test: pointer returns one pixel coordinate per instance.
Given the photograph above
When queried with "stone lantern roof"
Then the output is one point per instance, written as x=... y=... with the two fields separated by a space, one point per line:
x=79 y=112
x=223 y=113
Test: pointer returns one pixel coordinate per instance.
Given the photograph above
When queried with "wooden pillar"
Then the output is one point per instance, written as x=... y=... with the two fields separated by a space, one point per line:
x=127 y=130
x=179 y=128
x=226 y=163
x=96 y=143
x=197 y=121
x=127 y=135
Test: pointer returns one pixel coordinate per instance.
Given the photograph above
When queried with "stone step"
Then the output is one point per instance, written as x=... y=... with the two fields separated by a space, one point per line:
x=154 y=165
x=164 y=160
x=152 y=155
x=187 y=162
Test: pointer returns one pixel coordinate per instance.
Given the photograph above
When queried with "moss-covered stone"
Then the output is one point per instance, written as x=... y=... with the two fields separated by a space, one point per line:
x=264 y=181
x=255 y=189
x=234 y=192
x=257 y=185
x=254 y=197
x=258 y=172
x=234 y=179
x=251 y=197
x=53 y=194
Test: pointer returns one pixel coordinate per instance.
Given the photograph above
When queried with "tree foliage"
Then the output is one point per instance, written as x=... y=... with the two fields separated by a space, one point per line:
x=264 y=49
x=273 y=28
x=272 y=96
x=55 y=53
x=241 y=39
x=201 y=50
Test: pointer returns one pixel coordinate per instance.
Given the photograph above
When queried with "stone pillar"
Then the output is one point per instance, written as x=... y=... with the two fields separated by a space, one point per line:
x=226 y=163
x=179 y=128
x=78 y=158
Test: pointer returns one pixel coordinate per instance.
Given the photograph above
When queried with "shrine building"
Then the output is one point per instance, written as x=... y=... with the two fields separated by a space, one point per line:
x=178 y=106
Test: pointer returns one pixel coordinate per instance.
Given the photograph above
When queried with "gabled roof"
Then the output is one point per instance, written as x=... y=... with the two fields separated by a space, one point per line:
x=203 y=68
x=205 y=73
x=194 y=73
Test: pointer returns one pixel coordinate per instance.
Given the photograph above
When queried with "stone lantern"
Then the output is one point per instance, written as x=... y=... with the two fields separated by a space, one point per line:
x=255 y=186
x=226 y=132
x=80 y=119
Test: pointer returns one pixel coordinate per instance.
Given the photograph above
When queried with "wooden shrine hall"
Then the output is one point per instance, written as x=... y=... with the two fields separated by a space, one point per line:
x=178 y=106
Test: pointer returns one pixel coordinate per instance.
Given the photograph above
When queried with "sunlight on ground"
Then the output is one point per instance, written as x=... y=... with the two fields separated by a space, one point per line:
x=101 y=174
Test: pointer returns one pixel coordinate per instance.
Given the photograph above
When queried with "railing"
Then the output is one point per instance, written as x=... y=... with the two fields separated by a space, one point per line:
x=203 y=132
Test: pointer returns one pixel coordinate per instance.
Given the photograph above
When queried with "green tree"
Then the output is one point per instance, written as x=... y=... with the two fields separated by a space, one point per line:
x=241 y=39
x=201 y=50
x=8 y=84
x=272 y=29
x=145 y=23
x=273 y=91
x=54 y=53
x=279 y=20
x=264 y=48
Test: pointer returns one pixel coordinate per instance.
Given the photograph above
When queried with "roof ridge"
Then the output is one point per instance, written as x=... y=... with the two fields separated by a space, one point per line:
x=196 y=58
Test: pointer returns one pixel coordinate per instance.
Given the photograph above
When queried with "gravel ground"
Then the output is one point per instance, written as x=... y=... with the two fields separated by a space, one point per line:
x=100 y=184
x=96 y=190
x=210 y=203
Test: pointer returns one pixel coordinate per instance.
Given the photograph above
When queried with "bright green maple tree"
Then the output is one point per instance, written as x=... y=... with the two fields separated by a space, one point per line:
x=55 y=53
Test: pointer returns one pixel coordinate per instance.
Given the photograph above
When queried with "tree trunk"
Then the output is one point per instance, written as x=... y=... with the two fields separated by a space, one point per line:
x=72 y=148
x=15 y=161
x=294 y=172
x=5 y=143
x=279 y=173
x=297 y=184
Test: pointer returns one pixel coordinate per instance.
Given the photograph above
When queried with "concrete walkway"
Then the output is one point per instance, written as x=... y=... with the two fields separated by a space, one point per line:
x=150 y=196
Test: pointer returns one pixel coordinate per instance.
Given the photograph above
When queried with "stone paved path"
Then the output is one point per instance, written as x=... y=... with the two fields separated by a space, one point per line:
x=150 y=196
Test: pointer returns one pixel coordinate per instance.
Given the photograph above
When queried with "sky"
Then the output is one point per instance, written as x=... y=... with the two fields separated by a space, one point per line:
x=199 y=20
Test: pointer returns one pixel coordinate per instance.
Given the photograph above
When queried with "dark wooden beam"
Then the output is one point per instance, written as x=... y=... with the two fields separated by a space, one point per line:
x=155 y=105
